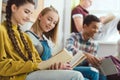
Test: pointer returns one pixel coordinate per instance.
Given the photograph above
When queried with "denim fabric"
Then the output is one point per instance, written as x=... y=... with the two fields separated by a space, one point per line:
x=46 y=50
x=102 y=77
x=55 y=75
x=88 y=72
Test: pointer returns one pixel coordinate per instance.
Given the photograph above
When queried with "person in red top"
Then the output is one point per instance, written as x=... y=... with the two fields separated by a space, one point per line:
x=78 y=14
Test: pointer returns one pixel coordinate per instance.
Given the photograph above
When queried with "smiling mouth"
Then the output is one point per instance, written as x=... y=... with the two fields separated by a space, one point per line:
x=48 y=28
x=26 y=20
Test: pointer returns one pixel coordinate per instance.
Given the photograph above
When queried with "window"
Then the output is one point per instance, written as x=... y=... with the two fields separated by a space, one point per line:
x=105 y=6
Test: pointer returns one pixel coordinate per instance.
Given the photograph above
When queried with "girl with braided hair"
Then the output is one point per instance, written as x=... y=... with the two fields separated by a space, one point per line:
x=19 y=60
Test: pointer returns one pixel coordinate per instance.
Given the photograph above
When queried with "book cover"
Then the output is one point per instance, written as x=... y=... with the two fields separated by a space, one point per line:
x=107 y=67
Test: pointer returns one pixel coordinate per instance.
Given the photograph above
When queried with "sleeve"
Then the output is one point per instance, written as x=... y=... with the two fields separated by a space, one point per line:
x=77 y=11
x=9 y=66
x=71 y=44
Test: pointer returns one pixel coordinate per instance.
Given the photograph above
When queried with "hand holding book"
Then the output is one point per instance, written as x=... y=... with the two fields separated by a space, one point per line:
x=60 y=66
x=94 y=61
x=62 y=57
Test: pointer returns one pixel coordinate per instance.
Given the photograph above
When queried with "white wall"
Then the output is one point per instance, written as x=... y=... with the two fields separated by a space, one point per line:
x=102 y=7
x=67 y=19
x=106 y=49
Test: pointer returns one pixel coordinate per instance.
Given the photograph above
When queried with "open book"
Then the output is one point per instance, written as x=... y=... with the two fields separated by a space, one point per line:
x=63 y=57
x=78 y=58
x=107 y=67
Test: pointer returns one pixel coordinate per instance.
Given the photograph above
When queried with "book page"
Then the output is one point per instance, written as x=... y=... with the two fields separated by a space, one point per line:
x=77 y=59
x=63 y=57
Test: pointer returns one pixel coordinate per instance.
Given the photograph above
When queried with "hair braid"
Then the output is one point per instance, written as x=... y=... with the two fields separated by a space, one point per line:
x=25 y=44
x=14 y=41
x=12 y=35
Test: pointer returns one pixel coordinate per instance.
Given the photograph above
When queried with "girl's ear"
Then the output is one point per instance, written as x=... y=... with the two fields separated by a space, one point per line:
x=13 y=8
x=39 y=17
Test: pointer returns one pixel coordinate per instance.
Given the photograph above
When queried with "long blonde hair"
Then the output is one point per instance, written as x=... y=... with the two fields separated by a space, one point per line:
x=52 y=34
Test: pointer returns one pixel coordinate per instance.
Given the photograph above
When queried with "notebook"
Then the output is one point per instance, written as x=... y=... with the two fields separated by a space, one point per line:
x=107 y=67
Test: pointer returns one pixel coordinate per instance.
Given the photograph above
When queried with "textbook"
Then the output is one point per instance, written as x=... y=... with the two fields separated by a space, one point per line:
x=63 y=56
x=78 y=58
x=107 y=67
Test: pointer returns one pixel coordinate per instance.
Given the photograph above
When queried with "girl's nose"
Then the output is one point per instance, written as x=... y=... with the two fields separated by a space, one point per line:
x=51 y=24
x=28 y=17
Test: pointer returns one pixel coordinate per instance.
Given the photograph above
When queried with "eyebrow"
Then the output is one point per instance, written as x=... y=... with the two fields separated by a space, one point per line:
x=51 y=18
x=28 y=10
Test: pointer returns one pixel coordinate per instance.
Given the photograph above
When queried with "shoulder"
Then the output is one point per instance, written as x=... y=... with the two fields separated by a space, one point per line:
x=31 y=34
x=76 y=34
x=77 y=9
x=33 y=37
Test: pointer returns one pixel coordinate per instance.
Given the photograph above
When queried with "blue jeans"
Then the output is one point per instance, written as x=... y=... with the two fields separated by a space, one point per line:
x=102 y=77
x=90 y=73
x=55 y=75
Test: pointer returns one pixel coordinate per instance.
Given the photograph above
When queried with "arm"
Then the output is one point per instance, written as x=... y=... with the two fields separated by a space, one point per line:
x=10 y=63
x=9 y=67
x=78 y=20
x=71 y=43
x=91 y=55
x=92 y=59
x=106 y=19
x=78 y=14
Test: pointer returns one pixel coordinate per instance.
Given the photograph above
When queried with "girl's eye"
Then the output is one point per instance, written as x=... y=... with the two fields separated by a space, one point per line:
x=26 y=11
x=54 y=23
x=49 y=19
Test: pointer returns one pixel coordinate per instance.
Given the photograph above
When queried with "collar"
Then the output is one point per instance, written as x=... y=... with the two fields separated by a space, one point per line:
x=83 y=37
x=14 y=27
